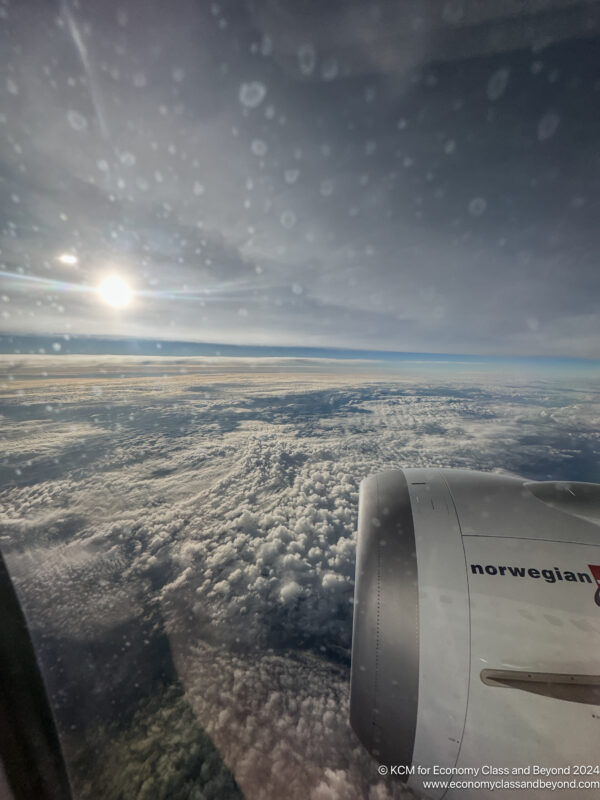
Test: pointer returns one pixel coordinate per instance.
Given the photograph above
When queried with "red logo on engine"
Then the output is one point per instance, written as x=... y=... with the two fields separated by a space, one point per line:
x=595 y=569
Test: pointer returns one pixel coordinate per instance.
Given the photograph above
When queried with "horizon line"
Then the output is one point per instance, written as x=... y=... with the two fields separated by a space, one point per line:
x=131 y=345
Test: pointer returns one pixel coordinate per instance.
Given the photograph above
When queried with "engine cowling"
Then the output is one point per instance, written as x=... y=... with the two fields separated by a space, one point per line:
x=476 y=641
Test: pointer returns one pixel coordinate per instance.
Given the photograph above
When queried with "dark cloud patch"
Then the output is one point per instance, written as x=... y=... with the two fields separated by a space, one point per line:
x=191 y=766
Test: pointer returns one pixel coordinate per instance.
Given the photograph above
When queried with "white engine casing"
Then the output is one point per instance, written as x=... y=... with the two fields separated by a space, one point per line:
x=460 y=572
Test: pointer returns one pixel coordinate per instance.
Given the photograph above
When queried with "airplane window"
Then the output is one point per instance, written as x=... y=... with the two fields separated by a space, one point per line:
x=299 y=389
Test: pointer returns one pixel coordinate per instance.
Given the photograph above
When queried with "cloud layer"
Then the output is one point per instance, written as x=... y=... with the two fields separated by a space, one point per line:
x=192 y=523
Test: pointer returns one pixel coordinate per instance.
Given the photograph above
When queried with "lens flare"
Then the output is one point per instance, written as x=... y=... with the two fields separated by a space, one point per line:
x=115 y=291
x=69 y=259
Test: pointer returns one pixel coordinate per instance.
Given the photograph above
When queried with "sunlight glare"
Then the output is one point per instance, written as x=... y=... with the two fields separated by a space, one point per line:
x=115 y=291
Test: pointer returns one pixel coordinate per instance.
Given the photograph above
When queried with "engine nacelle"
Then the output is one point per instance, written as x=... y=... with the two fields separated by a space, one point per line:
x=476 y=642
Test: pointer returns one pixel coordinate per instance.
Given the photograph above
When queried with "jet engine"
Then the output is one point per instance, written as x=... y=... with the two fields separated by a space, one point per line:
x=476 y=640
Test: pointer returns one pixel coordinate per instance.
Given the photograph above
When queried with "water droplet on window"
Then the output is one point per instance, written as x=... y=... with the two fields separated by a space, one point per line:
x=330 y=69
x=259 y=147
x=498 y=83
x=288 y=219
x=450 y=147
x=76 y=120
x=128 y=159
x=477 y=206
x=252 y=94
x=548 y=126
x=307 y=59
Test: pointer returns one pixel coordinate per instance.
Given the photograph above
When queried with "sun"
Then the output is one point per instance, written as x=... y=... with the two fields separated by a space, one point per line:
x=115 y=291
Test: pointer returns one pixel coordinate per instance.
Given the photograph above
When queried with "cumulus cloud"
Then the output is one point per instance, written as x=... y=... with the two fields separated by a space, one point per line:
x=194 y=524
x=280 y=721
